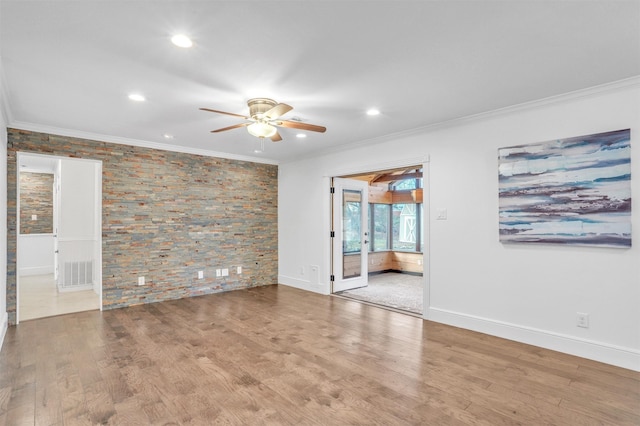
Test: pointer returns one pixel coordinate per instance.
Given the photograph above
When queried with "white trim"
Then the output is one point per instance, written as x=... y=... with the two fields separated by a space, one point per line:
x=83 y=287
x=3 y=328
x=35 y=235
x=36 y=270
x=57 y=131
x=321 y=288
x=64 y=240
x=598 y=351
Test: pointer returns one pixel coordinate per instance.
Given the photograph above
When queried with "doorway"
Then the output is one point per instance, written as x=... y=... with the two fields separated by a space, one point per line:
x=59 y=204
x=392 y=236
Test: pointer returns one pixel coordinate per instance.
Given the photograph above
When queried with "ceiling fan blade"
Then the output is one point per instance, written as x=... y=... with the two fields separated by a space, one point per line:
x=276 y=137
x=301 y=126
x=277 y=111
x=224 y=112
x=235 y=126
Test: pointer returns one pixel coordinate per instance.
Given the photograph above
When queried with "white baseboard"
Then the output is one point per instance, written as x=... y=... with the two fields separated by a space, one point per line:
x=75 y=288
x=303 y=284
x=36 y=270
x=3 y=328
x=597 y=351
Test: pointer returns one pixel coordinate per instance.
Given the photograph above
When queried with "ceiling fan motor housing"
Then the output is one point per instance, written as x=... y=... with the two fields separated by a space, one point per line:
x=258 y=106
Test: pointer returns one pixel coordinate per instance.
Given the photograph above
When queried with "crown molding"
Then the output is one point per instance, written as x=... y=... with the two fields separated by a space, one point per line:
x=19 y=125
x=593 y=91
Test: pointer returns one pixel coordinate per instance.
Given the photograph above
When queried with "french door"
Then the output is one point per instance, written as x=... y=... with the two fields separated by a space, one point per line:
x=350 y=234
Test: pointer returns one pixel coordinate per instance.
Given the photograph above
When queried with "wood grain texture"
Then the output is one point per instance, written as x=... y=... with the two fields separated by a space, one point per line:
x=277 y=355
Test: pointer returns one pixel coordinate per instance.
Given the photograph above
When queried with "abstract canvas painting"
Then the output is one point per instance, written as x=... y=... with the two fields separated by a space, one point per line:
x=569 y=191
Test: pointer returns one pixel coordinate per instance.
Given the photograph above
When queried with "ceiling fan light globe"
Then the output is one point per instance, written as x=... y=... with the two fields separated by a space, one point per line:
x=261 y=129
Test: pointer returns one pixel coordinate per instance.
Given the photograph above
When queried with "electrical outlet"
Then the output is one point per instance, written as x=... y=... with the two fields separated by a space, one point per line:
x=200 y=275
x=238 y=270
x=582 y=320
x=218 y=272
x=140 y=280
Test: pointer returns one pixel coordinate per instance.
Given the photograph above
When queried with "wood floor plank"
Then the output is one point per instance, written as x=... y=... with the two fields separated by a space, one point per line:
x=277 y=355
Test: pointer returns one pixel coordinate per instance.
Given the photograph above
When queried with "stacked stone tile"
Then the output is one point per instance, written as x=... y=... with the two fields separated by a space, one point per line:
x=166 y=216
x=36 y=198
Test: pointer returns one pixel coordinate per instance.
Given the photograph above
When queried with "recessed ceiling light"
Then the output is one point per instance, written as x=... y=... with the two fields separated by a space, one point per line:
x=167 y=136
x=373 y=111
x=301 y=135
x=137 y=97
x=181 y=40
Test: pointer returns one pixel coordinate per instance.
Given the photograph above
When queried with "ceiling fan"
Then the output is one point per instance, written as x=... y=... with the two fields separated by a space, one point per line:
x=264 y=117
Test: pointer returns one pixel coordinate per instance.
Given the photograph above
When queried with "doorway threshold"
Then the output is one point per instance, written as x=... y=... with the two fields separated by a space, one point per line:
x=377 y=305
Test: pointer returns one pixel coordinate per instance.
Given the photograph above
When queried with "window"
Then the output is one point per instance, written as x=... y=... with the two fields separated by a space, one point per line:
x=405 y=185
x=398 y=226
x=351 y=242
x=395 y=227
x=379 y=226
x=407 y=226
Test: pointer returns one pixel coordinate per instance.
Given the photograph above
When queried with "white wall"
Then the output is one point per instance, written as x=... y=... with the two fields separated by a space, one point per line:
x=35 y=252
x=522 y=292
x=77 y=200
x=3 y=213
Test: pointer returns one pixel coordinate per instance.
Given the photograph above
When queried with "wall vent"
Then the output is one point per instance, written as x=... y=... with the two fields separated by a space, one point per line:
x=77 y=274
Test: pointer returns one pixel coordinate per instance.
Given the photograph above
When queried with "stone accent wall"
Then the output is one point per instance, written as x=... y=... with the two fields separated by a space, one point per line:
x=36 y=198
x=166 y=216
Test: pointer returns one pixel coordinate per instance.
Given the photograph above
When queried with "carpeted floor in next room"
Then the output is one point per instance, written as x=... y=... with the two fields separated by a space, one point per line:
x=391 y=289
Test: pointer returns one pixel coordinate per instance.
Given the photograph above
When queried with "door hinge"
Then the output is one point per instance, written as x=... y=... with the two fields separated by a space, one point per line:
x=333 y=278
x=332 y=234
x=332 y=190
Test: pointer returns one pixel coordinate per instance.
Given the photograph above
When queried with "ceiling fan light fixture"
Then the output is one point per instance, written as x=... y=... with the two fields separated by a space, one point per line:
x=181 y=40
x=137 y=97
x=261 y=129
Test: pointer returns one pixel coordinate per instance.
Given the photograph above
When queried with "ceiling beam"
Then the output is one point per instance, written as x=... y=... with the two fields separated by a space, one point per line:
x=392 y=178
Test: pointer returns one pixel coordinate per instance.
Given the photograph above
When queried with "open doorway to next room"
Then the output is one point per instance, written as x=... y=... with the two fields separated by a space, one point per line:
x=59 y=238
x=393 y=238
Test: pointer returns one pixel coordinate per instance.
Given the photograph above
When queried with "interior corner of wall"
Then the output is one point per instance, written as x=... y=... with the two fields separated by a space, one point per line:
x=3 y=327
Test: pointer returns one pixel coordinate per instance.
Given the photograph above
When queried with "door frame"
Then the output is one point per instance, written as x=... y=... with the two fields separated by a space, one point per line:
x=97 y=220
x=426 y=206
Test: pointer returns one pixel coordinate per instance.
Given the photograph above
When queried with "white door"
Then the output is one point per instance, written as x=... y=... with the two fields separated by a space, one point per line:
x=350 y=228
x=56 y=204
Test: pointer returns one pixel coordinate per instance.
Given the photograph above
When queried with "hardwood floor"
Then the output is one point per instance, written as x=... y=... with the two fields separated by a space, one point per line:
x=277 y=355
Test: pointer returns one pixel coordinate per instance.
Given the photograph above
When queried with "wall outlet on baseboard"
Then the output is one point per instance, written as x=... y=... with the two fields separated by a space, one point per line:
x=140 y=280
x=582 y=320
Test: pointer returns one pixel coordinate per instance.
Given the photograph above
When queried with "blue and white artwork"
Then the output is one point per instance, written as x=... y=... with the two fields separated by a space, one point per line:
x=569 y=191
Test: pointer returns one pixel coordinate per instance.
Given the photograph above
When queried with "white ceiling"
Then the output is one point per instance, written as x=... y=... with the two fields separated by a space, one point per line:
x=69 y=65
